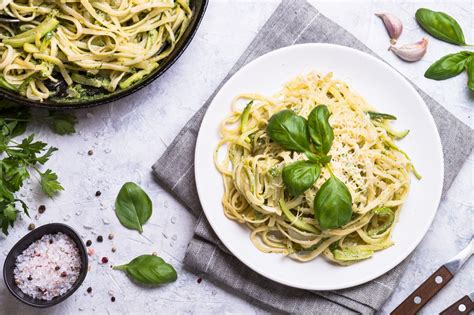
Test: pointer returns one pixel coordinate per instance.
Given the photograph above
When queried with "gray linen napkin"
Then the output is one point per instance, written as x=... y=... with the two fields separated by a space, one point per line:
x=293 y=22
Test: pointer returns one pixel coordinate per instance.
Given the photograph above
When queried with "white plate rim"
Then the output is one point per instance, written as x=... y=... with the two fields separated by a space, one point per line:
x=200 y=185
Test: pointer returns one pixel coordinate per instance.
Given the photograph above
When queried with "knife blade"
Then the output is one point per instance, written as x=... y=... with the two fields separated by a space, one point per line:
x=428 y=289
x=462 y=306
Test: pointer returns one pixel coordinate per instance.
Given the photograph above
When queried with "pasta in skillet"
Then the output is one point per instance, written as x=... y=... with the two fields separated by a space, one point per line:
x=67 y=45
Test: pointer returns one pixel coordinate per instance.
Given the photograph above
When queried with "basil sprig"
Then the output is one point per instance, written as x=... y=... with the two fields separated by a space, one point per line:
x=314 y=138
x=333 y=204
x=441 y=26
x=295 y=133
x=150 y=270
x=133 y=207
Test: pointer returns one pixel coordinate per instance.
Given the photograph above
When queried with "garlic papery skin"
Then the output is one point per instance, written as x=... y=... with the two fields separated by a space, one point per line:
x=411 y=52
x=393 y=25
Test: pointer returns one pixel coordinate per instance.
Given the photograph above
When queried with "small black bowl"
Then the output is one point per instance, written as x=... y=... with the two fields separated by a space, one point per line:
x=23 y=244
x=197 y=6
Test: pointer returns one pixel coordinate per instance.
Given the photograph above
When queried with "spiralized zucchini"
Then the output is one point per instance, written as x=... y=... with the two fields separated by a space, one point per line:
x=364 y=157
x=106 y=45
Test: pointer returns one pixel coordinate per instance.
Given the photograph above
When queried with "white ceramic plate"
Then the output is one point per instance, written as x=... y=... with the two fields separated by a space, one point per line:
x=386 y=90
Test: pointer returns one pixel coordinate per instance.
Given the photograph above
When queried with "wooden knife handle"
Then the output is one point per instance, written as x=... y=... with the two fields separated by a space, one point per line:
x=462 y=306
x=424 y=293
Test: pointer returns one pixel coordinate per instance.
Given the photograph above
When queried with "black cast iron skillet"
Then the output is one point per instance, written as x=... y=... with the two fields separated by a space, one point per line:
x=23 y=244
x=197 y=6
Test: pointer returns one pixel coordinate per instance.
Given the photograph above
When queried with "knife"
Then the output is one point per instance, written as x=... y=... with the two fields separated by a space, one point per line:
x=462 y=306
x=415 y=301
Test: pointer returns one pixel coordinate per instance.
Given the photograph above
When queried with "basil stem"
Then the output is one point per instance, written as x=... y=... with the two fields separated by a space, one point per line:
x=449 y=66
x=300 y=176
x=441 y=26
x=320 y=130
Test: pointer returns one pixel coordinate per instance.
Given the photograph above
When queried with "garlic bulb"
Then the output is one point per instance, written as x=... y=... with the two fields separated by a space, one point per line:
x=393 y=25
x=411 y=52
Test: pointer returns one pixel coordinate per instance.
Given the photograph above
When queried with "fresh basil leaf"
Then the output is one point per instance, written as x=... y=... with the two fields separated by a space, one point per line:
x=63 y=123
x=333 y=204
x=449 y=66
x=440 y=25
x=133 y=207
x=300 y=176
x=320 y=130
x=470 y=73
x=381 y=116
x=150 y=270
x=289 y=130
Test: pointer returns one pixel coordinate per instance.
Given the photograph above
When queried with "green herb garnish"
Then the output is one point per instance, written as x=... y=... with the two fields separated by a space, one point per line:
x=313 y=137
x=440 y=25
x=150 y=270
x=17 y=160
x=133 y=207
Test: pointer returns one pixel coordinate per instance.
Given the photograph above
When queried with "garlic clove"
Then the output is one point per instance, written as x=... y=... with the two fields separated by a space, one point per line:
x=393 y=25
x=411 y=52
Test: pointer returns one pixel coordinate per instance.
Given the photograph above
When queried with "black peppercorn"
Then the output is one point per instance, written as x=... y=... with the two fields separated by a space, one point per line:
x=30 y=278
x=57 y=268
x=90 y=152
x=88 y=243
x=98 y=193
x=41 y=208
x=112 y=298
x=100 y=238
x=89 y=290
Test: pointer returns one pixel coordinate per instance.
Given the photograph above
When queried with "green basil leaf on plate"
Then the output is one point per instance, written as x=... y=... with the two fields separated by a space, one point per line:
x=149 y=270
x=133 y=207
x=449 y=66
x=440 y=25
x=333 y=204
x=300 y=176
x=470 y=73
x=320 y=130
x=289 y=130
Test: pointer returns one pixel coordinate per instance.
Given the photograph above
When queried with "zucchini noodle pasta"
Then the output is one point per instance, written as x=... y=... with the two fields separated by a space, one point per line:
x=58 y=48
x=364 y=157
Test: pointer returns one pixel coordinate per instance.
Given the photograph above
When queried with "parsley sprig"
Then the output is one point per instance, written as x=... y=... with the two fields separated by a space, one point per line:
x=19 y=159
